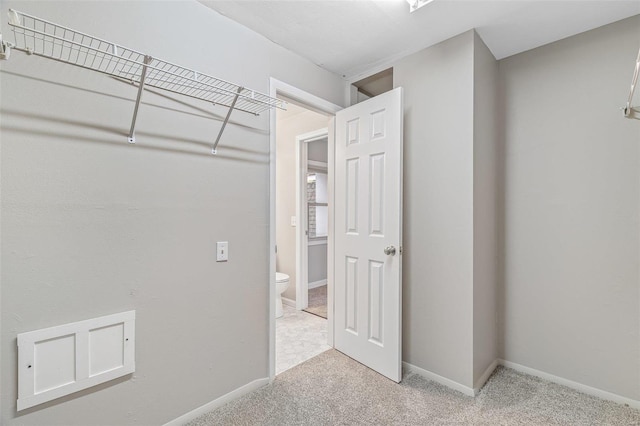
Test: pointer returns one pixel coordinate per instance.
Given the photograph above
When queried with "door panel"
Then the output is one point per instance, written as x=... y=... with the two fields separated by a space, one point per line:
x=376 y=301
x=376 y=195
x=352 y=196
x=368 y=220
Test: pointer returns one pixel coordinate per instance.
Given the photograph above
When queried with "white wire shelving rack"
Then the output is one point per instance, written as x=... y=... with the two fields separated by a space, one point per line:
x=37 y=36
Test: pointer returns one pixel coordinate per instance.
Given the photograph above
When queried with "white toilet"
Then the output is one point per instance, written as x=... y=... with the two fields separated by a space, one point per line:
x=282 y=282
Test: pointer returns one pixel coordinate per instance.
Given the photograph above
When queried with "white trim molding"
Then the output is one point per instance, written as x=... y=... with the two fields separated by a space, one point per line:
x=218 y=402
x=599 y=393
x=318 y=283
x=485 y=376
x=318 y=242
x=410 y=368
x=289 y=302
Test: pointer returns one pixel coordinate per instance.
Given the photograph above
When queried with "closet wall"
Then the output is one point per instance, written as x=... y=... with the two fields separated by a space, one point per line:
x=438 y=208
x=571 y=294
x=92 y=225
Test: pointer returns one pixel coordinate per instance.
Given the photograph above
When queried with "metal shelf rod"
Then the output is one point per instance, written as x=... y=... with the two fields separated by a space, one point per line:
x=143 y=75
x=226 y=120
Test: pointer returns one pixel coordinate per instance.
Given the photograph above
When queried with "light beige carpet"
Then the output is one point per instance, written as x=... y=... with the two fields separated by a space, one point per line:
x=318 y=301
x=332 y=389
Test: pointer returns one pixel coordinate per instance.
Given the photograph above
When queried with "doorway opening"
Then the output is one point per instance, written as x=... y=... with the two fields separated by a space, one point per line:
x=364 y=235
x=312 y=233
x=301 y=233
x=372 y=86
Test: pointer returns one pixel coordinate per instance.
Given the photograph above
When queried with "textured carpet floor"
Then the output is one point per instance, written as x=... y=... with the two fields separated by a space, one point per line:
x=318 y=301
x=332 y=389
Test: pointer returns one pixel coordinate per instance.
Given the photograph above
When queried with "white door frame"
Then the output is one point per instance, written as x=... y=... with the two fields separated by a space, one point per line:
x=277 y=87
x=302 y=249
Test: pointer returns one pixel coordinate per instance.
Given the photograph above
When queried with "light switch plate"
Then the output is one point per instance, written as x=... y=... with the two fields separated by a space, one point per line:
x=222 y=251
x=293 y=221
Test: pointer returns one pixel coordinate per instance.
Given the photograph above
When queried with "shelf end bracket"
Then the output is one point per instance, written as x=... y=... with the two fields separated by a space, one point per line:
x=5 y=48
x=226 y=120
x=143 y=75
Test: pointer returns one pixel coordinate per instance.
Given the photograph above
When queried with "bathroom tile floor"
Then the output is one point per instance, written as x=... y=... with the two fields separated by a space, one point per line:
x=318 y=301
x=299 y=337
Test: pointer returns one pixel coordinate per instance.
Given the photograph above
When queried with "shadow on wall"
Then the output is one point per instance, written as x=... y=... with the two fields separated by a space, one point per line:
x=119 y=134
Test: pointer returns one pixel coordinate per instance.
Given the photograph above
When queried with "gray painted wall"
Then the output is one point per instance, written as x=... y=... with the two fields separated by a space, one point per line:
x=450 y=202
x=438 y=207
x=318 y=151
x=317 y=263
x=571 y=210
x=529 y=209
x=288 y=130
x=485 y=206
x=92 y=225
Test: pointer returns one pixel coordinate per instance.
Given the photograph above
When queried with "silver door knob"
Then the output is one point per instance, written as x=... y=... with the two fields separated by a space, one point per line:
x=391 y=250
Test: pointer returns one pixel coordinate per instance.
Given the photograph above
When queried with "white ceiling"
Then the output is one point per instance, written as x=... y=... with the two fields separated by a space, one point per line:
x=354 y=37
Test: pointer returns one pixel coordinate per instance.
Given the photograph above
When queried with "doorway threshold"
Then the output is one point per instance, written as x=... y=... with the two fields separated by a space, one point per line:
x=300 y=336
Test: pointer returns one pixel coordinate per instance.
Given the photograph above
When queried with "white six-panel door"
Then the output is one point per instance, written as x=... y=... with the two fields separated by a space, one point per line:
x=368 y=233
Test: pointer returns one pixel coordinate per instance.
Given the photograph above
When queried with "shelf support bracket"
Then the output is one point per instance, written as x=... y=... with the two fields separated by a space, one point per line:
x=5 y=48
x=143 y=75
x=226 y=120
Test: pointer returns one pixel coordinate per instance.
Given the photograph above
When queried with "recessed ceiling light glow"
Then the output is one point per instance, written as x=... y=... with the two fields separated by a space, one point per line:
x=417 y=4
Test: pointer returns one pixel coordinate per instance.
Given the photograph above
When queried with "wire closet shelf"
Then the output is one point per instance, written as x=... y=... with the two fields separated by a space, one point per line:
x=37 y=36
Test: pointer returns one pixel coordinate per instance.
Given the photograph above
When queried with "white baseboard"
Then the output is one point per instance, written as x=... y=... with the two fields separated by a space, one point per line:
x=599 y=393
x=318 y=283
x=249 y=387
x=573 y=385
x=485 y=376
x=289 y=302
x=439 y=379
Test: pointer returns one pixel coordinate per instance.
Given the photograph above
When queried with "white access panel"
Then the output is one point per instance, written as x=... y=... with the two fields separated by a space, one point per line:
x=57 y=361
